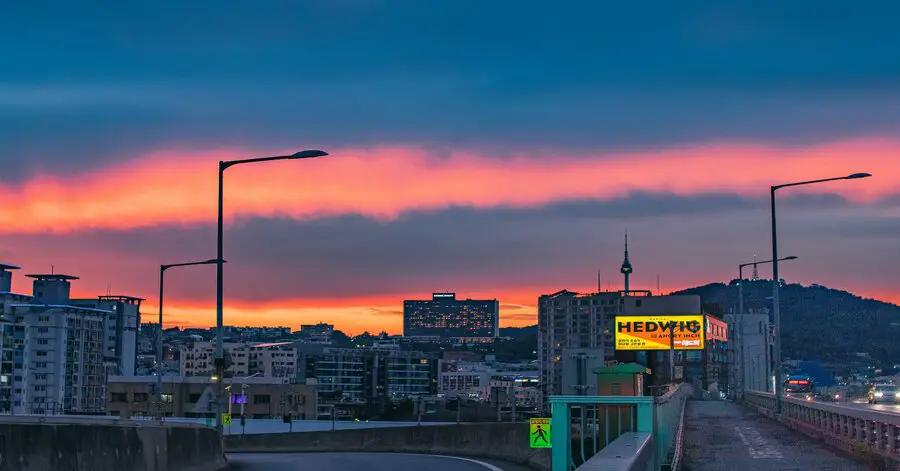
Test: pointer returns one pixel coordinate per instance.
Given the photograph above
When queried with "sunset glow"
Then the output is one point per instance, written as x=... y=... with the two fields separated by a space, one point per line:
x=173 y=187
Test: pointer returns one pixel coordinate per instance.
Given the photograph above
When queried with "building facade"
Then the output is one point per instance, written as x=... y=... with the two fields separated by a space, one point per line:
x=262 y=398
x=271 y=360
x=121 y=326
x=444 y=316
x=749 y=351
x=569 y=320
x=367 y=376
x=59 y=367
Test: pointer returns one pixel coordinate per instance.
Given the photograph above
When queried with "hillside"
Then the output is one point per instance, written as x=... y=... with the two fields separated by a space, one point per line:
x=817 y=322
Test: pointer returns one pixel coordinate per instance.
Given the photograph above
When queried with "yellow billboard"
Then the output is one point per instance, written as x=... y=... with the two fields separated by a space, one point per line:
x=652 y=332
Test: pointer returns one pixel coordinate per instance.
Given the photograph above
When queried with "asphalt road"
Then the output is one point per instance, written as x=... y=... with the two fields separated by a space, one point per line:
x=722 y=436
x=864 y=405
x=360 y=462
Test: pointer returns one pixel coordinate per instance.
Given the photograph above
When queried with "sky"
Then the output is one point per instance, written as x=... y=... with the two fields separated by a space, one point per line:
x=497 y=149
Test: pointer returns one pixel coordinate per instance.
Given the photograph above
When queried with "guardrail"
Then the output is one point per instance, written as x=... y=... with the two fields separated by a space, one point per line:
x=636 y=432
x=91 y=420
x=864 y=434
x=251 y=426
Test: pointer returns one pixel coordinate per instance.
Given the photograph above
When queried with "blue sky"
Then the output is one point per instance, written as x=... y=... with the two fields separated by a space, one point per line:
x=89 y=86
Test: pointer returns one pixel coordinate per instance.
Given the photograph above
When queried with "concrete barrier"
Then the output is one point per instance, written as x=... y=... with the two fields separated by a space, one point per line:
x=106 y=447
x=502 y=441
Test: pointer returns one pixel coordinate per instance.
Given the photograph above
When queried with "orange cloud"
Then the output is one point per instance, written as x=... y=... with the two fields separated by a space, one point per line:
x=180 y=187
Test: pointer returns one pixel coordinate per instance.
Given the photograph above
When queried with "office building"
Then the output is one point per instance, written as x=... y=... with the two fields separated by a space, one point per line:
x=373 y=376
x=444 y=316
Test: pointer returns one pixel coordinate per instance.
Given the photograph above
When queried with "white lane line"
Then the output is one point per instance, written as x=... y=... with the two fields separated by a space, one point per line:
x=757 y=446
x=488 y=466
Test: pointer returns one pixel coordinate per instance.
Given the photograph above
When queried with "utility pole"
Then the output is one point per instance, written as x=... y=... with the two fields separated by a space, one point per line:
x=513 y=401
x=672 y=325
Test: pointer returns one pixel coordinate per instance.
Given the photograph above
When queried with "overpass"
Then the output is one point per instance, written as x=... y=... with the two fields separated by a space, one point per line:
x=612 y=433
x=677 y=430
x=60 y=443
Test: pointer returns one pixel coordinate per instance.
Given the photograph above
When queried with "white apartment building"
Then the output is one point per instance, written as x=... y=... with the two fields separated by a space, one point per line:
x=120 y=331
x=59 y=365
x=271 y=360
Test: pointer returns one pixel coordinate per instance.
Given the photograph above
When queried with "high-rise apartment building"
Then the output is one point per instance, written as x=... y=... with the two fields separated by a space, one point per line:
x=120 y=328
x=569 y=320
x=10 y=347
x=444 y=316
x=58 y=358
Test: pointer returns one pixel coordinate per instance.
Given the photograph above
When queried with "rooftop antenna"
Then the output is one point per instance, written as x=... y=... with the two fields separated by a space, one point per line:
x=658 y=292
x=755 y=276
x=599 y=282
x=51 y=269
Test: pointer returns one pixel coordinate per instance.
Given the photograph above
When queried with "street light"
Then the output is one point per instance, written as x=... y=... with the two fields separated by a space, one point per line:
x=739 y=335
x=159 y=336
x=775 y=280
x=220 y=357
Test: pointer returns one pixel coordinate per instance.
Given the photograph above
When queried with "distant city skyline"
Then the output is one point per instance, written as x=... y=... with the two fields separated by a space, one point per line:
x=470 y=151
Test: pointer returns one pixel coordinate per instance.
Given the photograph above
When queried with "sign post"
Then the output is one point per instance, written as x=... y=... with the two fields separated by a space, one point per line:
x=539 y=432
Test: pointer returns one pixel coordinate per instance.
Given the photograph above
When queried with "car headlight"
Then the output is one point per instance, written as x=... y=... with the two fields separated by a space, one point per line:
x=879 y=394
x=897 y=394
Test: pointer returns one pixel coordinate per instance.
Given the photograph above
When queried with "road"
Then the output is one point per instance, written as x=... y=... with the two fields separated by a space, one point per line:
x=361 y=462
x=722 y=436
x=862 y=404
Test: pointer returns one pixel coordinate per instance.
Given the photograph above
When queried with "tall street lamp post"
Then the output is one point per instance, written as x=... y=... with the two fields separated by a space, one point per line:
x=739 y=335
x=220 y=357
x=776 y=321
x=159 y=337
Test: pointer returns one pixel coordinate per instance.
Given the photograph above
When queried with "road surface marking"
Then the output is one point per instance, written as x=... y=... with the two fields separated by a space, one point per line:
x=756 y=445
x=482 y=463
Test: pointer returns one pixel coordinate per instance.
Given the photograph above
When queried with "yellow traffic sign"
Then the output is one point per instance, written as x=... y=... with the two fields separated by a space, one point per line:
x=539 y=432
x=226 y=419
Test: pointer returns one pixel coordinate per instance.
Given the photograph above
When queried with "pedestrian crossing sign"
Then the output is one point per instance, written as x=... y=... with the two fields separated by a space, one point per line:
x=539 y=432
x=226 y=419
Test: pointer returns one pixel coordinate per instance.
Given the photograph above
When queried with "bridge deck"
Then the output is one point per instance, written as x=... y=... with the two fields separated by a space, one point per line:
x=722 y=436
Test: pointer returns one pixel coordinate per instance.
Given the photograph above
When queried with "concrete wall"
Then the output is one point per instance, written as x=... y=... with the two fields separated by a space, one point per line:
x=508 y=442
x=108 y=447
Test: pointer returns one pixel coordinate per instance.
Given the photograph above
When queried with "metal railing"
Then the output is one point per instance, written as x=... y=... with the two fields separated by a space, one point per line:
x=590 y=432
x=856 y=430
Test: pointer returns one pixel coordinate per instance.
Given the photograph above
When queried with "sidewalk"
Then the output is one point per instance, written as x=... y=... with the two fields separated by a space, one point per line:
x=722 y=436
